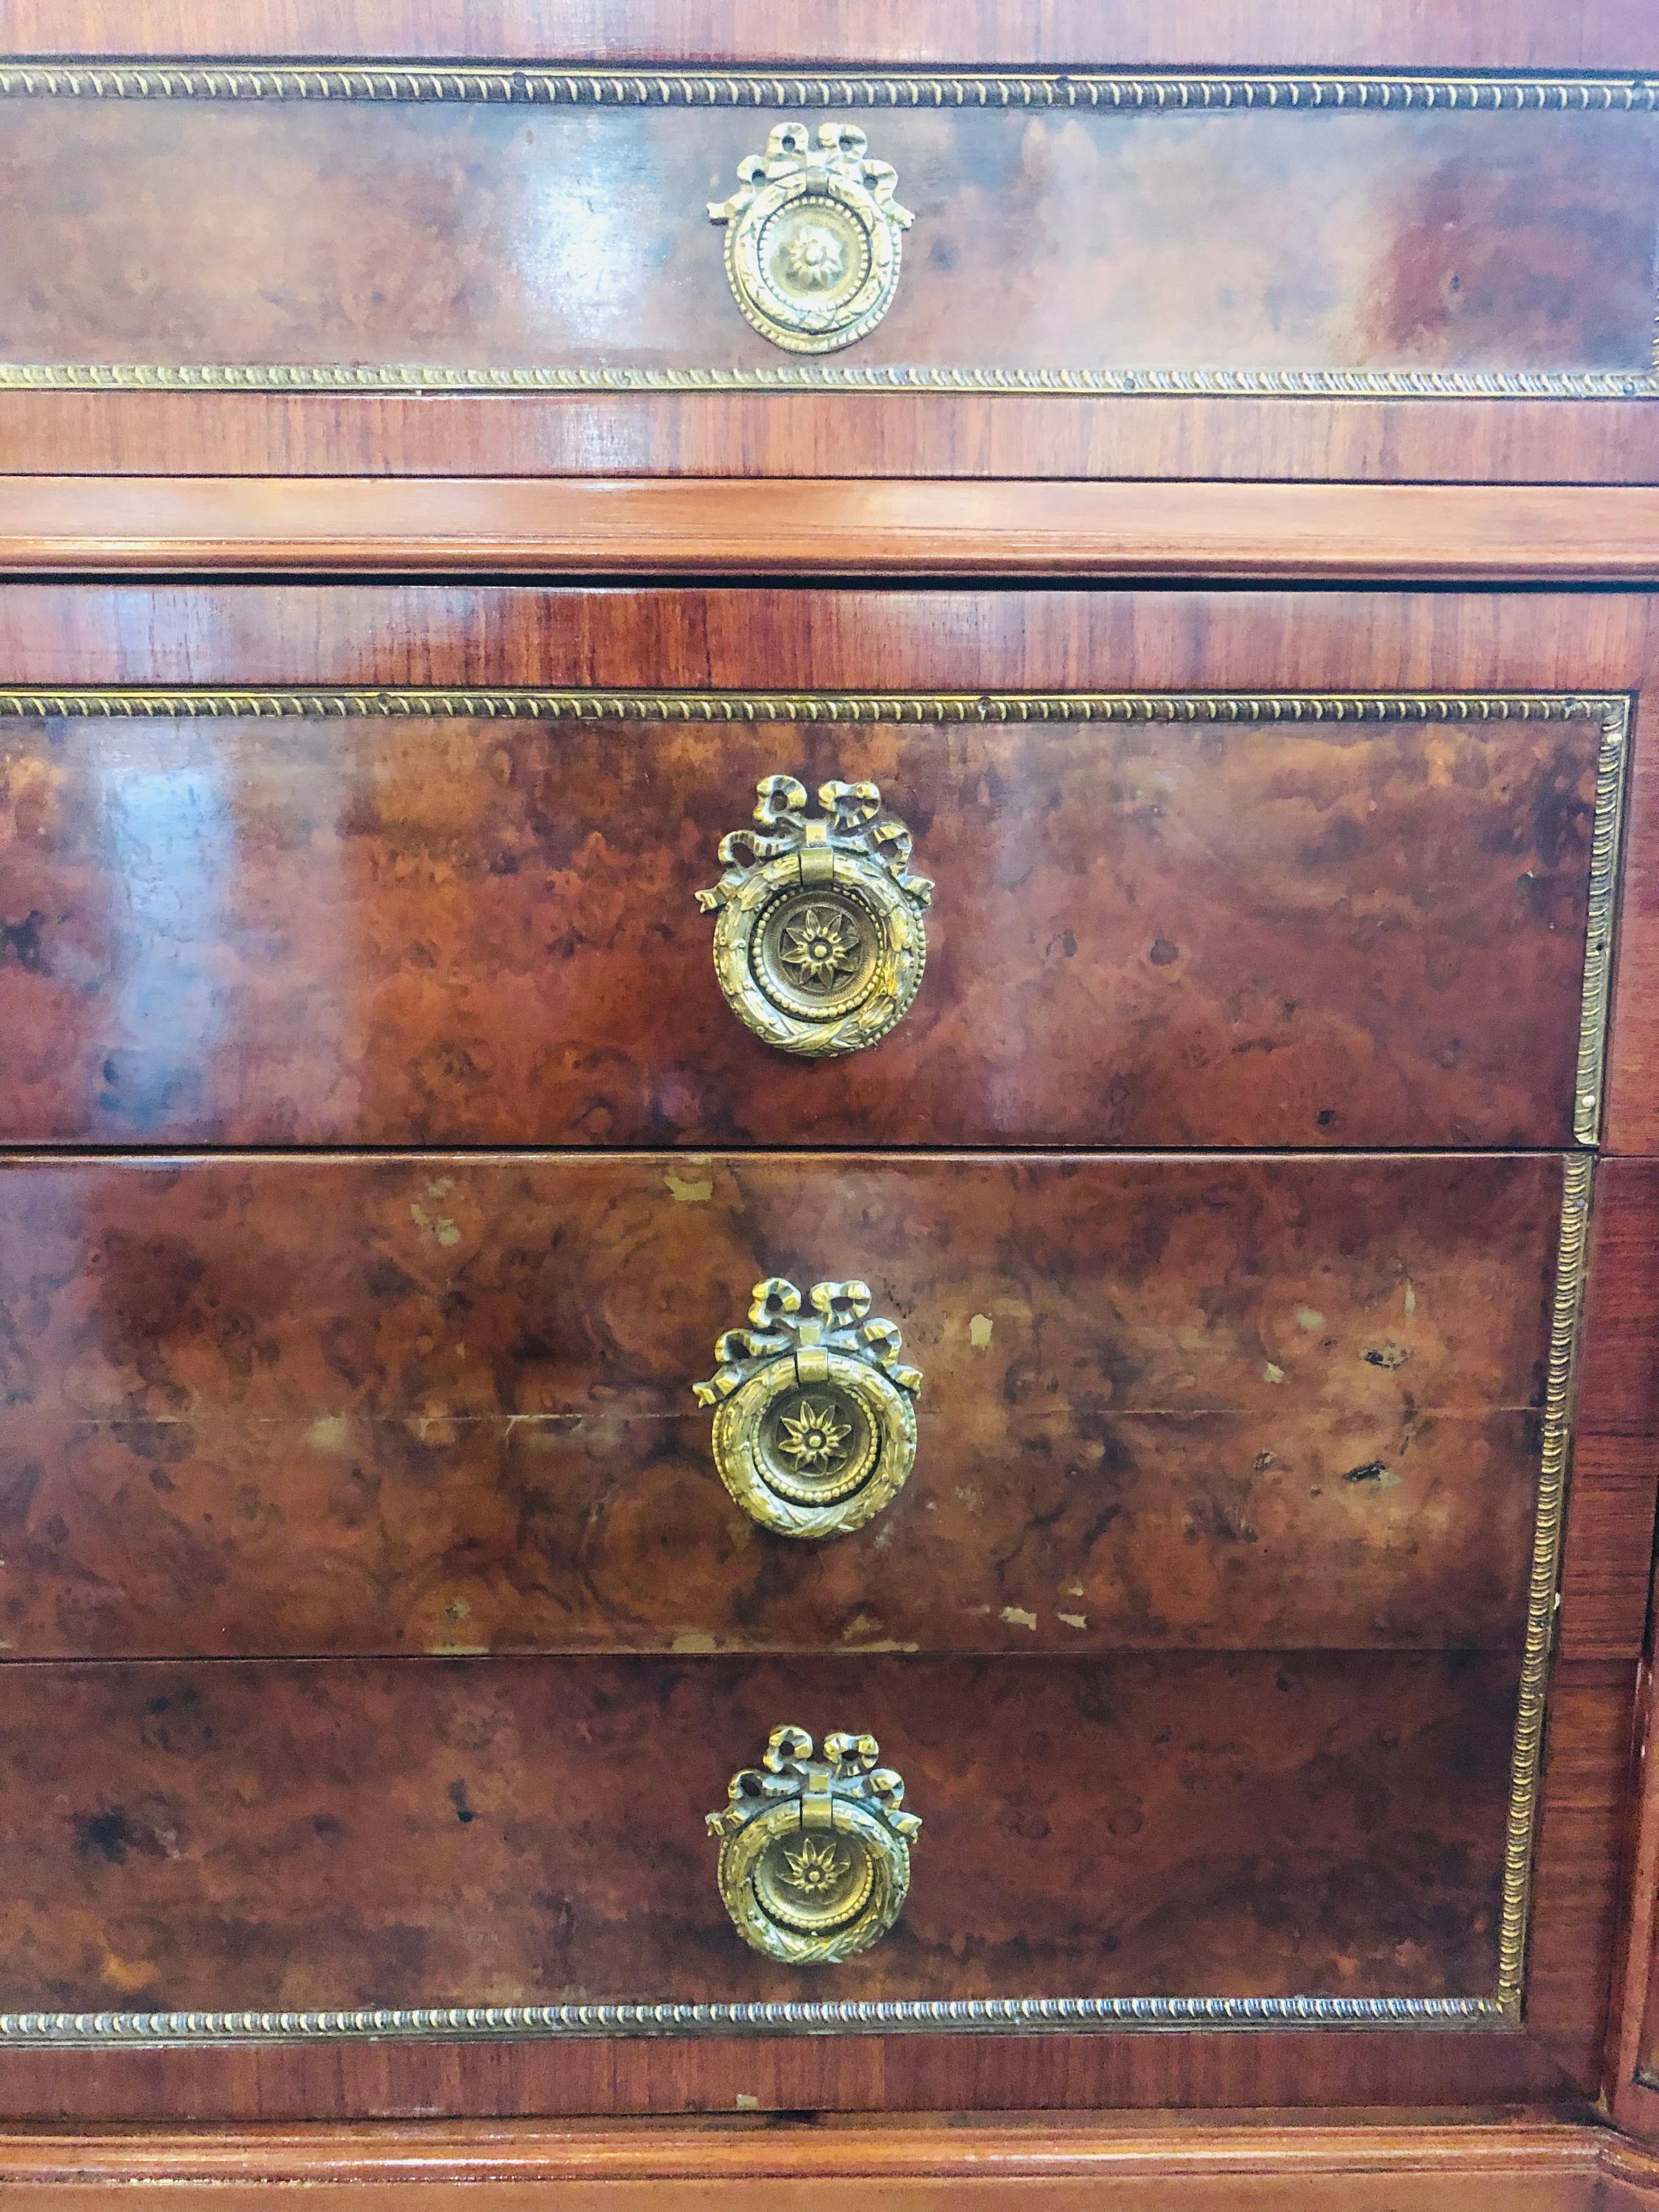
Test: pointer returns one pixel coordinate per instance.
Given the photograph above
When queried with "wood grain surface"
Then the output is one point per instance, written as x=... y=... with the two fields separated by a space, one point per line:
x=696 y=526
x=918 y=636
x=227 y=1836
x=1300 y=930
x=1594 y=34
x=490 y=234
x=1557 y=2056
x=1608 y=1554
x=1479 y=2161
x=1467 y=442
x=1165 y=1402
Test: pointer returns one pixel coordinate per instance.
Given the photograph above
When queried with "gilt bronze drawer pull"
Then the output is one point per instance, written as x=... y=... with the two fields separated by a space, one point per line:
x=813 y=238
x=815 y=1853
x=820 y=943
x=815 y=1427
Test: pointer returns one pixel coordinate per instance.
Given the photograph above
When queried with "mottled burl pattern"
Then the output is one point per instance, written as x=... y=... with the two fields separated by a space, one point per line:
x=419 y=1832
x=175 y=231
x=442 y=1403
x=396 y=931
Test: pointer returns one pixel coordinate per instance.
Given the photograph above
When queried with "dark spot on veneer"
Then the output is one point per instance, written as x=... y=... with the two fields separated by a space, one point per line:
x=1163 y=952
x=23 y=940
x=457 y=1794
x=1373 y=1471
x=107 y=1836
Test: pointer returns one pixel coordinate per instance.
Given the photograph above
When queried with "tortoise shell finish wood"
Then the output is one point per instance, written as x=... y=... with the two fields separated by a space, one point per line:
x=499 y=1831
x=1285 y=925
x=1167 y=1402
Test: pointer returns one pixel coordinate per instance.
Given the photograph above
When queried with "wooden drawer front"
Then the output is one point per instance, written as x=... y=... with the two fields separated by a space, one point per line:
x=466 y=230
x=1165 y=1402
x=1159 y=920
x=237 y=1837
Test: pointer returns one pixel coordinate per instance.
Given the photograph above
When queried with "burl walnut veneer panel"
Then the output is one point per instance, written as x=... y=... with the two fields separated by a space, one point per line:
x=448 y=228
x=1294 y=925
x=229 y=1837
x=443 y=1403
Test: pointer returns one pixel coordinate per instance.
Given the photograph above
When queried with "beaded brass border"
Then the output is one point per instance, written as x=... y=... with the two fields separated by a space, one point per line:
x=992 y=91
x=1504 y=2008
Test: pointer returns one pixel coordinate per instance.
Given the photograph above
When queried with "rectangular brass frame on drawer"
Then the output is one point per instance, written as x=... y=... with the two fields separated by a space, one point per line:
x=1536 y=1082
x=1080 y=98
x=1503 y=2007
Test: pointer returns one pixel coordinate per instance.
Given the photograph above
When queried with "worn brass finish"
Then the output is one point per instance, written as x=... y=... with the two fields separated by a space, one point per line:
x=820 y=944
x=813 y=237
x=815 y=1430
x=815 y=1853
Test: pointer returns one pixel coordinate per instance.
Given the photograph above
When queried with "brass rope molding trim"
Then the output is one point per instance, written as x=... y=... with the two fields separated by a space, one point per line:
x=525 y=703
x=1131 y=92
x=1605 y=835
x=1504 y=2008
x=990 y=91
x=803 y=376
x=925 y=2015
x=1566 y=1312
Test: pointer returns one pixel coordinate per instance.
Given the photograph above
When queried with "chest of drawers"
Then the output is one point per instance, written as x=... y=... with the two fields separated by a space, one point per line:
x=772 y=1343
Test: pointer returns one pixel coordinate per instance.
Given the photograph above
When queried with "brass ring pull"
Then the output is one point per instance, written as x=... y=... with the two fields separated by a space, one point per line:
x=813 y=238
x=820 y=944
x=815 y=1427
x=815 y=1853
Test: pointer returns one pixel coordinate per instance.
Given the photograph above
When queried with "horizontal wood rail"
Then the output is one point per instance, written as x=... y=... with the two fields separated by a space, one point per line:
x=1169 y=2163
x=1611 y=34
x=706 y=526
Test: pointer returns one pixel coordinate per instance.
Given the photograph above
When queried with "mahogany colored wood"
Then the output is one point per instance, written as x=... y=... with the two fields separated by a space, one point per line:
x=1166 y=1403
x=1632 y=1095
x=1482 y=2162
x=489 y=235
x=482 y=930
x=1610 y=1522
x=837 y=638
x=1592 y=34
x=1631 y=2090
x=806 y=435
x=697 y=526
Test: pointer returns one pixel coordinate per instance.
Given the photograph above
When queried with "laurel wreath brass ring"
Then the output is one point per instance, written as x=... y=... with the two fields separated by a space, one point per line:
x=812 y=1897
x=813 y=237
x=820 y=968
x=815 y=1424
x=815 y=1852
x=816 y=1457
x=820 y=944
